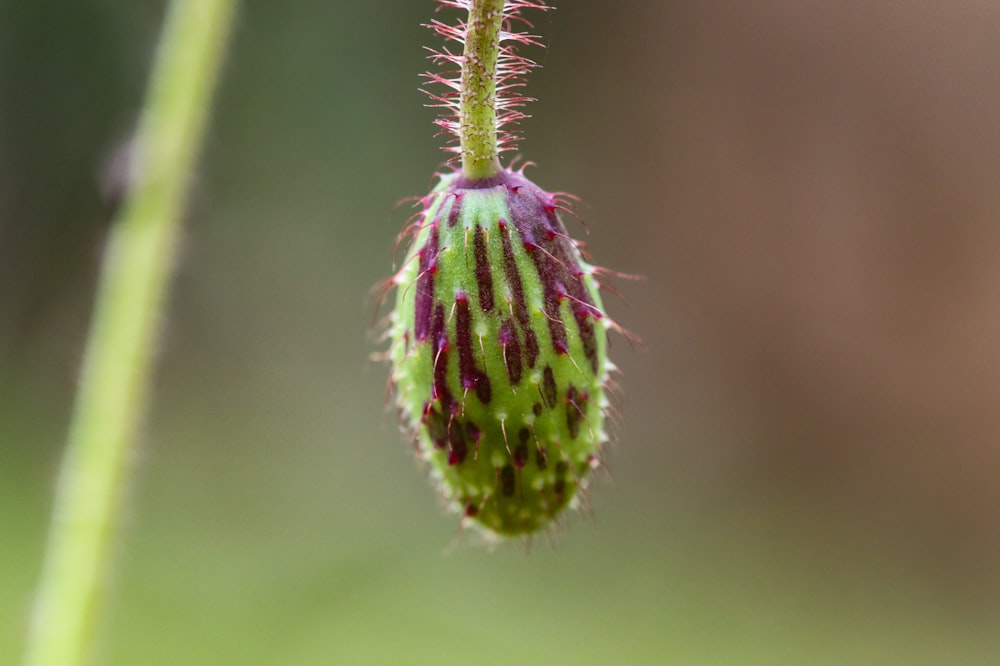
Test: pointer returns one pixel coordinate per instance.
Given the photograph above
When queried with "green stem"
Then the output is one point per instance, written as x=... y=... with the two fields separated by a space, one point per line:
x=122 y=339
x=478 y=133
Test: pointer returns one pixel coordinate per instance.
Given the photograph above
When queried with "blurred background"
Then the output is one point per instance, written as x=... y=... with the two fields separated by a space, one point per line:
x=808 y=467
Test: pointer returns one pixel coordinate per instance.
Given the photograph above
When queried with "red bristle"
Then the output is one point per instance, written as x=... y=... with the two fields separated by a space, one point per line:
x=510 y=73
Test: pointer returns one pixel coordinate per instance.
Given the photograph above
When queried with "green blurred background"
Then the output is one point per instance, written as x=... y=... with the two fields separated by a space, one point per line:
x=807 y=471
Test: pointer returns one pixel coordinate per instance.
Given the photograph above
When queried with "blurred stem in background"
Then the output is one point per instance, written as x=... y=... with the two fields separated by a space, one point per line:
x=123 y=335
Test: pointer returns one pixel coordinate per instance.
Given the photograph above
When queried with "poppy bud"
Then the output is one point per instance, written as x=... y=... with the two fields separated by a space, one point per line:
x=498 y=335
x=498 y=351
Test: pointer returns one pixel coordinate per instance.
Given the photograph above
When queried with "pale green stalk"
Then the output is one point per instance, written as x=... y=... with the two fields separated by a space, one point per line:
x=478 y=112
x=121 y=345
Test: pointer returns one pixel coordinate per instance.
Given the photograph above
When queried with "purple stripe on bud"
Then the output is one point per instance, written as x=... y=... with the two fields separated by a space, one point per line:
x=437 y=426
x=458 y=447
x=576 y=403
x=582 y=314
x=550 y=394
x=425 y=285
x=470 y=376
x=511 y=351
x=553 y=289
x=521 y=450
x=517 y=295
x=541 y=459
x=439 y=348
x=484 y=278
x=456 y=209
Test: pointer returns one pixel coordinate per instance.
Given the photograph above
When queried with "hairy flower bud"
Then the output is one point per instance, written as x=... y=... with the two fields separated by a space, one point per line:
x=498 y=348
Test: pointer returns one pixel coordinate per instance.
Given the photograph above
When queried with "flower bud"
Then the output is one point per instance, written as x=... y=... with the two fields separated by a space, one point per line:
x=498 y=350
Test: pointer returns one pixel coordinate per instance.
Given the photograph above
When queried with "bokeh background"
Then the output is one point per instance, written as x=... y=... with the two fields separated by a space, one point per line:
x=808 y=467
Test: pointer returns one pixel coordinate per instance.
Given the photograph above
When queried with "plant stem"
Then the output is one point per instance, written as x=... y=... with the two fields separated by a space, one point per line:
x=120 y=347
x=478 y=132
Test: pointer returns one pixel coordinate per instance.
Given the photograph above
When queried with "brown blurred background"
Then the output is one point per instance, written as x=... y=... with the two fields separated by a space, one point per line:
x=825 y=243
x=807 y=471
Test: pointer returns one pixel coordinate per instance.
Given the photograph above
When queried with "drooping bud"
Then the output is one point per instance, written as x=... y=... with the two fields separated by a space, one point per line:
x=498 y=336
x=499 y=351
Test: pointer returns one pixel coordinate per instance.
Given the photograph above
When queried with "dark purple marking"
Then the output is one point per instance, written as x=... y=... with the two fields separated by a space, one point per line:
x=437 y=426
x=471 y=377
x=439 y=357
x=557 y=329
x=530 y=347
x=537 y=409
x=458 y=449
x=517 y=294
x=521 y=450
x=549 y=391
x=484 y=278
x=541 y=459
x=424 y=301
x=576 y=404
x=471 y=510
x=508 y=481
x=582 y=314
x=520 y=455
x=507 y=337
x=456 y=209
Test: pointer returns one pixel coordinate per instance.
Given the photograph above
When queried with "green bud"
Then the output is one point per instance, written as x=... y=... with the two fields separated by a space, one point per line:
x=498 y=350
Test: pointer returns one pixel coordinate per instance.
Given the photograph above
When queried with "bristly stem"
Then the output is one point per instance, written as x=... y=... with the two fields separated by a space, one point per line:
x=478 y=112
x=481 y=98
x=121 y=344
